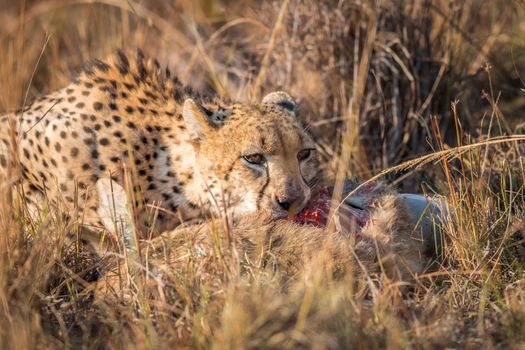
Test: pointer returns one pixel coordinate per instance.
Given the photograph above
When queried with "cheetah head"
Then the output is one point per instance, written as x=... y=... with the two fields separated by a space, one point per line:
x=253 y=158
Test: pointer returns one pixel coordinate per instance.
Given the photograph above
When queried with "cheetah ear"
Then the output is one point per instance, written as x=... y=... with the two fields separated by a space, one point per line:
x=281 y=99
x=197 y=122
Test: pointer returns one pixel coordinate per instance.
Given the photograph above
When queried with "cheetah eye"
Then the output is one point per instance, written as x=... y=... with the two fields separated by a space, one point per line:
x=256 y=158
x=304 y=154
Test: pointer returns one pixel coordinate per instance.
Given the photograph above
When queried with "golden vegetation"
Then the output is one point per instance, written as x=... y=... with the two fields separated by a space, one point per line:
x=427 y=94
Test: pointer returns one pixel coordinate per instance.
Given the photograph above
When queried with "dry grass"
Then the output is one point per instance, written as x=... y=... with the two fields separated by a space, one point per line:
x=408 y=79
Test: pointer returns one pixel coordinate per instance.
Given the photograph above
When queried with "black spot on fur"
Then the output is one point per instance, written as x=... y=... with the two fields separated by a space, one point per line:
x=123 y=63
x=94 y=65
x=140 y=65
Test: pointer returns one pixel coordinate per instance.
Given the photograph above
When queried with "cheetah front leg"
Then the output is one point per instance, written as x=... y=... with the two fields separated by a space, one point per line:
x=81 y=217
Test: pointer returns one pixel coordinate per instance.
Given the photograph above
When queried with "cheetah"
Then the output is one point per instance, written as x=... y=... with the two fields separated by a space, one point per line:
x=188 y=154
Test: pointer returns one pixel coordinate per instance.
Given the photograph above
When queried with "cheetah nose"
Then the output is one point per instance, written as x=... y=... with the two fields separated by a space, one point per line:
x=286 y=202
